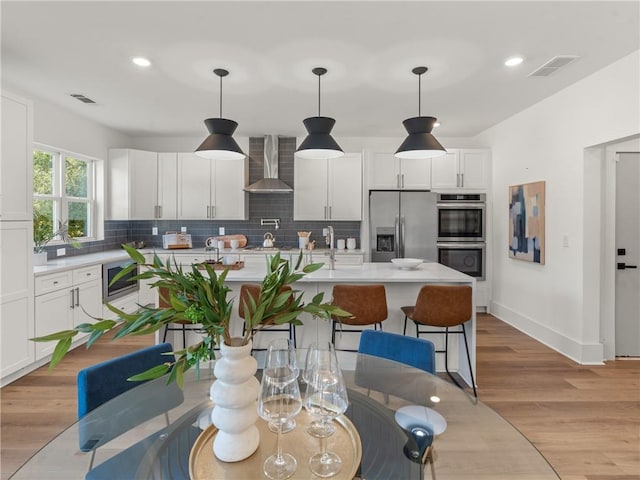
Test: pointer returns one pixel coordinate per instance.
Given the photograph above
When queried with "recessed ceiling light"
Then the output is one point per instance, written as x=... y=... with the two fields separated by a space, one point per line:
x=513 y=61
x=141 y=61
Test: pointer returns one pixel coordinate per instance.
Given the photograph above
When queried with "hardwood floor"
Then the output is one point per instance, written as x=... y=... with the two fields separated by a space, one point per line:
x=584 y=419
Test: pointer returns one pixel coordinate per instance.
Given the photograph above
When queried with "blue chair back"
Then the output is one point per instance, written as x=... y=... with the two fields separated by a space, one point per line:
x=107 y=381
x=415 y=352
x=102 y=382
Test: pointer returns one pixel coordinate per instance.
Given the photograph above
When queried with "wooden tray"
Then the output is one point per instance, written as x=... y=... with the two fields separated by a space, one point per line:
x=222 y=266
x=203 y=465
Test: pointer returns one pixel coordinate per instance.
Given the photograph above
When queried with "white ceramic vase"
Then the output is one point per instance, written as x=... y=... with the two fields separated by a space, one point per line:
x=235 y=396
x=39 y=259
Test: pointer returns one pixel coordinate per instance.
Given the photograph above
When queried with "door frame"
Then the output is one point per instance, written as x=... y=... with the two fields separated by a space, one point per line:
x=608 y=257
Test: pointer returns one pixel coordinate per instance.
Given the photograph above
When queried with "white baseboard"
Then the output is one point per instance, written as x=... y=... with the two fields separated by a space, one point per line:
x=582 y=353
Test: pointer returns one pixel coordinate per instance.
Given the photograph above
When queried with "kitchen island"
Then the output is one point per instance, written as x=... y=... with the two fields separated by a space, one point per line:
x=402 y=287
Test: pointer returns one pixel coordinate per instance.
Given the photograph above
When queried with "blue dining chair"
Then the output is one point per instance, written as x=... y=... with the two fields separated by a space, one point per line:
x=105 y=382
x=415 y=352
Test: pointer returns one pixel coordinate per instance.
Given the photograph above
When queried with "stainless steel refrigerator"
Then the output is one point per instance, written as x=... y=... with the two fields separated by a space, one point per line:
x=403 y=224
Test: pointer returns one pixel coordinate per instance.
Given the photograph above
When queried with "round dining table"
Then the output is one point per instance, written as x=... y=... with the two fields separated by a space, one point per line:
x=471 y=440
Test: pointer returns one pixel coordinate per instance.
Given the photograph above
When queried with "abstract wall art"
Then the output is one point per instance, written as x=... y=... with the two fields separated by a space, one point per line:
x=526 y=222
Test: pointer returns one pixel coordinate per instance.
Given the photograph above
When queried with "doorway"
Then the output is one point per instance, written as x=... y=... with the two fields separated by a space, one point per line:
x=627 y=276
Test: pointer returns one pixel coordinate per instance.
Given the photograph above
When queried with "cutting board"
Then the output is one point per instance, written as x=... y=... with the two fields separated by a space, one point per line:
x=227 y=239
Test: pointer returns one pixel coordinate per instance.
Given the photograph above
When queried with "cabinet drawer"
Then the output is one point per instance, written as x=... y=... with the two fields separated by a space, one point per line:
x=53 y=282
x=87 y=274
x=349 y=259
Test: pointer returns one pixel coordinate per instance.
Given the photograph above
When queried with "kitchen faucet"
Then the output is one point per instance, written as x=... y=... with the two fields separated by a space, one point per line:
x=329 y=239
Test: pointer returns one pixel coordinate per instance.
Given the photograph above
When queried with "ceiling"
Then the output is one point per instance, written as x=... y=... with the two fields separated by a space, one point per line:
x=53 y=49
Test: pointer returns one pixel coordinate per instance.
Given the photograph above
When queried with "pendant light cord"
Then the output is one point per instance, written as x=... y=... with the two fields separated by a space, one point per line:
x=419 y=94
x=221 y=96
x=319 y=95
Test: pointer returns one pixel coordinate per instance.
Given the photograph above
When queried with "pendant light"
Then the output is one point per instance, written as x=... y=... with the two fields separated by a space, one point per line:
x=319 y=143
x=220 y=145
x=420 y=143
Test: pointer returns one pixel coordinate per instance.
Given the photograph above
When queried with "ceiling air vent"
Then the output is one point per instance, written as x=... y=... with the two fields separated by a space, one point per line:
x=553 y=65
x=82 y=98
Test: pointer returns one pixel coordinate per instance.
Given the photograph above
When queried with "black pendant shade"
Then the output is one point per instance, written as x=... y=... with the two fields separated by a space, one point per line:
x=220 y=145
x=319 y=142
x=420 y=143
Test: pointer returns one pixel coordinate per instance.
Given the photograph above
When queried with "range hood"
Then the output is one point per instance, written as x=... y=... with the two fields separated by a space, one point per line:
x=270 y=183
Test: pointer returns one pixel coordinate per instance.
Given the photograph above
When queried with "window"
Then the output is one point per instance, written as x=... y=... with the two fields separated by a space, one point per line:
x=63 y=191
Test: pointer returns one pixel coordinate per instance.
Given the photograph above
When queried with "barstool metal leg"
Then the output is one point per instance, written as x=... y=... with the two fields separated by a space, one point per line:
x=466 y=346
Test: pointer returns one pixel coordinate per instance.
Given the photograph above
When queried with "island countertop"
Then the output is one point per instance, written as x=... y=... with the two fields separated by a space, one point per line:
x=365 y=273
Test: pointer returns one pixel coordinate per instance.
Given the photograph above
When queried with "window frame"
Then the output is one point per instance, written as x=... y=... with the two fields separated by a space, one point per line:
x=59 y=195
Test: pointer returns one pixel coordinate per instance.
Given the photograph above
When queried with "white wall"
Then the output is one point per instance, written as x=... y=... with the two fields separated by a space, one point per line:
x=60 y=128
x=555 y=302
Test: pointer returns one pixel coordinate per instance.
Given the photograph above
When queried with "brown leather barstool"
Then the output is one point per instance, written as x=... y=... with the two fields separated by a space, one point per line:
x=253 y=290
x=184 y=325
x=443 y=306
x=366 y=303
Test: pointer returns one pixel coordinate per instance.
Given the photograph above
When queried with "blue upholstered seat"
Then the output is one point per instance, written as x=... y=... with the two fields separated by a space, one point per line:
x=102 y=382
x=107 y=381
x=415 y=352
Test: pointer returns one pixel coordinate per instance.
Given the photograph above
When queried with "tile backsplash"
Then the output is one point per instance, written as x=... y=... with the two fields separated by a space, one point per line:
x=261 y=206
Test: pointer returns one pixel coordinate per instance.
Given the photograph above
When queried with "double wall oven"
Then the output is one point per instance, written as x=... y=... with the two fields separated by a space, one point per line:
x=462 y=232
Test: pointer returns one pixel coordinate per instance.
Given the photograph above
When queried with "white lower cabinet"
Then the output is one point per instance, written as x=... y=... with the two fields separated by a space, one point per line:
x=16 y=297
x=64 y=300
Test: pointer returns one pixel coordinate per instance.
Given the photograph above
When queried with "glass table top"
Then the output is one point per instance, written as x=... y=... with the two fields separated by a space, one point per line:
x=476 y=444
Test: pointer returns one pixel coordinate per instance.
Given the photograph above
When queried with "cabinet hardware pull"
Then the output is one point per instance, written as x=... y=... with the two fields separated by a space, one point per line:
x=208 y=209
x=159 y=211
x=462 y=179
x=77 y=296
x=403 y=180
x=329 y=212
x=213 y=211
x=72 y=298
x=398 y=180
x=55 y=282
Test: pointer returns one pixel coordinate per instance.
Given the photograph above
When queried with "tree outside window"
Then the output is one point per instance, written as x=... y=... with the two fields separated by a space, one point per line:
x=63 y=191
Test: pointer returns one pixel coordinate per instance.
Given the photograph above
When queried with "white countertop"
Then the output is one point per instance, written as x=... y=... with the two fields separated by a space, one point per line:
x=69 y=263
x=364 y=273
x=249 y=251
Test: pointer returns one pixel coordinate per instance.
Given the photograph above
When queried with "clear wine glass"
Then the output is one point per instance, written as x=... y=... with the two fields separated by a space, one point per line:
x=279 y=400
x=321 y=366
x=325 y=398
x=282 y=352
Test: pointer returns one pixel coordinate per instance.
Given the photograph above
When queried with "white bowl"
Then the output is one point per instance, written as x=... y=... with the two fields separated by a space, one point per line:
x=406 y=263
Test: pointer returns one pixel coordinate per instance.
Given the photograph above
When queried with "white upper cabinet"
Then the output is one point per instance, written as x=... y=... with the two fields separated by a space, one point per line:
x=142 y=185
x=16 y=190
x=211 y=189
x=386 y=172
x=466 y=169
x=328 y=189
